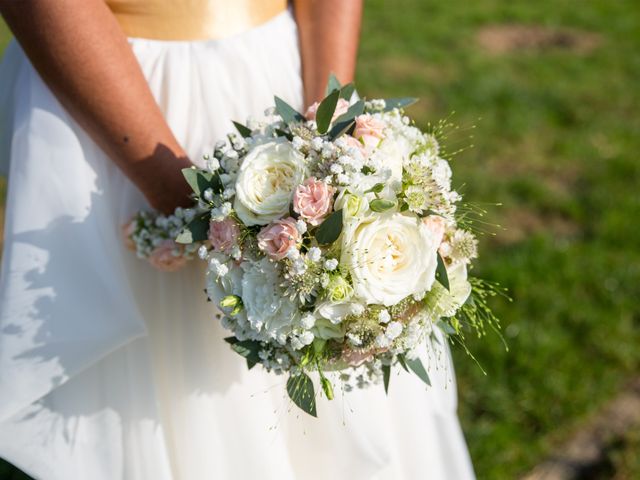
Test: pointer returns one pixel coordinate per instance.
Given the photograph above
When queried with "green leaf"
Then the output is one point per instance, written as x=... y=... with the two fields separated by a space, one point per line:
x=402 y=361
x=381 y=205
x=200 y=180
x=446 y=327
x=330 y=229
x=301 y=392
x=441 y=272
x=347 y=91
x=242 y=129
x=417 y=368
x=377 y=188
x=248 y=349
x=386 y=376
x=332 y=84
x=340 y=128
x=352 y=112
x=347 y=120
x=287 y=112
x=318 y=345
x=326 y=110
x=196 y=231
x=391 y=103
x=282 y=133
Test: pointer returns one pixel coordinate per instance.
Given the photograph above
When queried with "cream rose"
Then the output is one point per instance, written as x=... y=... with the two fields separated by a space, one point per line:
x=390 y=257
x=266 y=181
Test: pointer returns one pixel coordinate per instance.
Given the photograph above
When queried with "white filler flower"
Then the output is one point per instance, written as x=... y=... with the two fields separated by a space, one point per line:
x=268 y=310
x=390 y=257
x=266 y=181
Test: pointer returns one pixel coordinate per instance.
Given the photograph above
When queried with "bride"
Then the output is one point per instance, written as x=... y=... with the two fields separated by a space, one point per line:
x=108 y=368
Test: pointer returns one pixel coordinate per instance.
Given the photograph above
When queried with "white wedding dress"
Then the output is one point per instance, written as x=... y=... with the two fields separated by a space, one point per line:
x=112 y=370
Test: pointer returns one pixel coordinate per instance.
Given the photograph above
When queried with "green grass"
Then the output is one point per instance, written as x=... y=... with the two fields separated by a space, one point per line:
x=556 y=142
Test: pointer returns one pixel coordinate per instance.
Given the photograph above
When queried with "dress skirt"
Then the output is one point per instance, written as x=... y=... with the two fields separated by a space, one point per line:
x=112 y=370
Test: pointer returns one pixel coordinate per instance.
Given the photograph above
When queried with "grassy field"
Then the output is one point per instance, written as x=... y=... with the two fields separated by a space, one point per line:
x=556 y=142
x=552 y=90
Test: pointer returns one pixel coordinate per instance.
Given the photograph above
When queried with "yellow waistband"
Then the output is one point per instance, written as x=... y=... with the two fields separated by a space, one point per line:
x=192 y=19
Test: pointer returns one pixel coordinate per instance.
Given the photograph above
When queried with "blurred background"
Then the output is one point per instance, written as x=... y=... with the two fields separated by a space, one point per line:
x=550 y=92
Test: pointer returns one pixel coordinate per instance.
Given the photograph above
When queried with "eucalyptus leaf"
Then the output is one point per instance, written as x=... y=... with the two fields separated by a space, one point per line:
x=242 y=129
x=441 y=272
x=381 y=205
x=416 y=367
x=386 y=376
x=347 y=91
x=340 y=128
x=287 y=112
x=200 y=180
x=330 y=229
x=325 y=111
x=301 y=392
x=346 y=121
x=249 y=350
x=402 y=361
x=282 y=133
x=332 y=84
x=391 y=103
x=195 y=231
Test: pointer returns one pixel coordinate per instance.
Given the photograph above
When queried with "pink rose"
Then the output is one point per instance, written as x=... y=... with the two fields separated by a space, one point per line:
x=224 y=234
x=312 y=200
x=353 y=143
x=163 y=258
x=278 y=237
x=127 y=230
x=370 y=130
x=341 y=108
x=435 y=224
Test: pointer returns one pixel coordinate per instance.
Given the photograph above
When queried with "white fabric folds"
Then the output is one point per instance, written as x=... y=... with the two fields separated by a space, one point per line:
x=111 y=370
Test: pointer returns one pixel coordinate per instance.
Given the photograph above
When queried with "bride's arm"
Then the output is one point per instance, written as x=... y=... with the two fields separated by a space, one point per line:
x=82 y=54
x=329 y=32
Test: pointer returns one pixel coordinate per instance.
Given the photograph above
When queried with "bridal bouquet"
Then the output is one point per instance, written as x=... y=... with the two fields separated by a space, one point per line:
x=334 y=242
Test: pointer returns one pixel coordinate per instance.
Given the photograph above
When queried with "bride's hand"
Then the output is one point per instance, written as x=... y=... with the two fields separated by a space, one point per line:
x=160 y=179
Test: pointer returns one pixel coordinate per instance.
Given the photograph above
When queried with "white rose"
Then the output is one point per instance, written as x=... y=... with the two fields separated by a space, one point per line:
x=390 y=257
x=268 y=310
x=266 y=181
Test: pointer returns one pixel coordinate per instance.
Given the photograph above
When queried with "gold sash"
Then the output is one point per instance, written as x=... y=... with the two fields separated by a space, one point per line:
x=192 y=19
